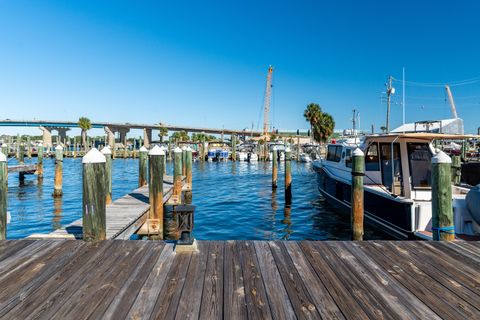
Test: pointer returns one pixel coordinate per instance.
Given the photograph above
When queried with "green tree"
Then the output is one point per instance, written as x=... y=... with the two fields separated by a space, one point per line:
x=163 y=133
x=383 y=128
x=85 y=124
x=321 y=123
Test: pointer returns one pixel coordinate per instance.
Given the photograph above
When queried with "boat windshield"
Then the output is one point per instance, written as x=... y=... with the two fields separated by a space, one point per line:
x=419 y=157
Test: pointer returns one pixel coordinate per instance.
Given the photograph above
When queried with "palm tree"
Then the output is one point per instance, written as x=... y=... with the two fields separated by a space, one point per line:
x=321 y=123
x=163 y=133
x=85 y=124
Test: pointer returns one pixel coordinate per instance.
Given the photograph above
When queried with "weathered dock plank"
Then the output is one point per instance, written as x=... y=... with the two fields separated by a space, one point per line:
x=59 y=279
x=23 y=168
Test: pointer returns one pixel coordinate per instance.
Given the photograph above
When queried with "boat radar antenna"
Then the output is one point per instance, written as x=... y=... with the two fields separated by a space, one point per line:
x=451 y=102
x=266 y=106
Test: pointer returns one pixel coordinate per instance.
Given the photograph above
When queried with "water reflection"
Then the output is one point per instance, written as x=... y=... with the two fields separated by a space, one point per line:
x=57 y=213
x=287 y=221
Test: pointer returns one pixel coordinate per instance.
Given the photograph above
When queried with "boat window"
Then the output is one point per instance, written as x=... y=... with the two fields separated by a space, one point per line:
x=419 y=157
x=386 y=155
x=371 y=158
x=334 y=153
x=348 y=158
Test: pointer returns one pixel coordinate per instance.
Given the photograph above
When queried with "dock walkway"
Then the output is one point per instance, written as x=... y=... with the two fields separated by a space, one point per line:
x=123 y=217
x=23 y=168
x=58 y=279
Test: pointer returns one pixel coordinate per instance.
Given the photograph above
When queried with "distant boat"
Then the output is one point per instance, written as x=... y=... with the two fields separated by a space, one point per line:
x=246 y=152
x=218 y=151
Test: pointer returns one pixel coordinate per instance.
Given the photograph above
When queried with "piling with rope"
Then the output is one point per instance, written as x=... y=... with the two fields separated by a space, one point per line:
x=442 y=212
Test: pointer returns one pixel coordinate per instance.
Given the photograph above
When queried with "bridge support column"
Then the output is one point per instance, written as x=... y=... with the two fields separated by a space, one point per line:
x=47 y=137
x=110 y=138
x=147 y=137
x=123 y=136
x=62 y=134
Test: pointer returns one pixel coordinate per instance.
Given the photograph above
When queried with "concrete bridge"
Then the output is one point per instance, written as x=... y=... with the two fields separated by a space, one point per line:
x=111 y=128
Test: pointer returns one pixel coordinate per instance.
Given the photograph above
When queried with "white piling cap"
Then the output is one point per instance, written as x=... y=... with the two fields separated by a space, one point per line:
x=3 y=157
x=40 y=144
x=177 y=149
x=106 y=150
x=274 y=148
x=287 y=149
x=156 y=151
x=189 y=149
x=143 y=149
x=184 y=148
x=441 y=157
x=59 y=147
x=93 y=156
x=358 y=153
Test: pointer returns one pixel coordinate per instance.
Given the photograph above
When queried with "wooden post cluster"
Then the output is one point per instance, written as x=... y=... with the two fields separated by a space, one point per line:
x=94 y=196
x=177 y=174
x=288 y=175
x=456 y=170
x=358 y=171
x=156 y=161
x=40 y=163
x=142 y=166
x=274 y=168
x=107 y=153
x=442 y=212
x=3 y=195
x=21 y=153
x=57 y=188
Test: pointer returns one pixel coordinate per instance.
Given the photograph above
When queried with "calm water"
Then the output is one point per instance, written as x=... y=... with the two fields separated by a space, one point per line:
x=233 y=201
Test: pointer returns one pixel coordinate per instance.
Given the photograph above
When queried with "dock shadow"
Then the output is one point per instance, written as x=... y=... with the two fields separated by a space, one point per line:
x=77 y=231
x=140 y=197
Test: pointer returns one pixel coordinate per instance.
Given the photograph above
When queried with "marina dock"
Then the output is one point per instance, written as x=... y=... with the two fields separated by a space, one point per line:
x=58 y=279
x=123 y=217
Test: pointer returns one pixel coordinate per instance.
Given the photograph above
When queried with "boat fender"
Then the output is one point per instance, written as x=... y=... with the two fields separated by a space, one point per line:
x=473 y=203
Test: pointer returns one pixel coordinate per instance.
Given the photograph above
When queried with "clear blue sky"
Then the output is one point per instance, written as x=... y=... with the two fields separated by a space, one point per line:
x=204 y=63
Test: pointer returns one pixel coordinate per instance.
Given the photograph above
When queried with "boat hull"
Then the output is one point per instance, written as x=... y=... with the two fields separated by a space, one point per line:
x=393 y=217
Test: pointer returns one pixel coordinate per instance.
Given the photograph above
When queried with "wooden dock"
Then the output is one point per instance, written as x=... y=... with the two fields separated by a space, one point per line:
x=123 y=217
x=23 y=168
x=58 y=279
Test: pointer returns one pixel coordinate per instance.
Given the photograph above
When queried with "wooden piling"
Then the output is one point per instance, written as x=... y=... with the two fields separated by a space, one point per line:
x=298 y=148
x=188 y=184
x=57 y=188
x=17 y=143
x=274 y=167
x=21 y=153
x=288 y=175
x=5 y=149
x=156 y=158
x=234 y=148
x=442 y=212
x=40 y=163
x=358 y=171
x=3 y=195
x=94 y=196
x=184 y=161
x=74 y=147
x=142 y=165
x=107 y=153
x=177 y=173
x=29 y=148
x=456 y=170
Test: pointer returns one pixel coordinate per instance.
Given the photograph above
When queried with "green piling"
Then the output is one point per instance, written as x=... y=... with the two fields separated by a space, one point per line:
x=184 y=161
x=40 y=163
x=442 y=212
x=358 y=171
x=29 y=148
x=94 y=196
x=3 y=195
x=234 y=148
x=456 y=170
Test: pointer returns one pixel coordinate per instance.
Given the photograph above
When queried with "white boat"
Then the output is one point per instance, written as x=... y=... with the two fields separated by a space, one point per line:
x=397 y=197
x=246 y=152
x=305 y=157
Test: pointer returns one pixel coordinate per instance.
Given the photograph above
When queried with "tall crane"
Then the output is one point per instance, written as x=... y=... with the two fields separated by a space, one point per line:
x=450 y=100
x=266 y=105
